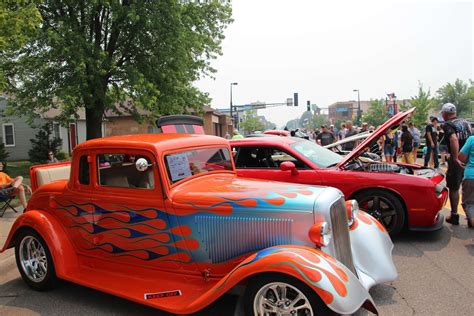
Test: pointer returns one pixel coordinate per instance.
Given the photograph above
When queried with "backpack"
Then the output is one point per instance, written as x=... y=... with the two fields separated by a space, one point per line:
x=462 y=129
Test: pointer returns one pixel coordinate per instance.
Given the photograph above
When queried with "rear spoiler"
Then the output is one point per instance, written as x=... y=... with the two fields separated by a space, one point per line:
x=188 y=124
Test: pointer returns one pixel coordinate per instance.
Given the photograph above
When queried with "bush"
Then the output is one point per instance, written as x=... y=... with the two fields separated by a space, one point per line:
x=3 y=155
x=44 y=143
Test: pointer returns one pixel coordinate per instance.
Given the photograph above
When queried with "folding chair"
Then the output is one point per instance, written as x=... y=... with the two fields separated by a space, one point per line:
x=6 y=199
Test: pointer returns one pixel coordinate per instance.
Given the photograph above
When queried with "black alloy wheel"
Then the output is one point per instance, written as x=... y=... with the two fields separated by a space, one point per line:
x=385 y=207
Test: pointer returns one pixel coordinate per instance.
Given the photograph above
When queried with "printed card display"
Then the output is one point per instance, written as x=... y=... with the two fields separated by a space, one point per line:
x=178 y=165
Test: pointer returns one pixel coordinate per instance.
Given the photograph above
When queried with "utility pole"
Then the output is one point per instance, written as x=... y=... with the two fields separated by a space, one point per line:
x=231 y=105
x=358 y=105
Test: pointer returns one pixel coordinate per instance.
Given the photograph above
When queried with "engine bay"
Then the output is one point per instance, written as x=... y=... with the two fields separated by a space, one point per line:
x=358 y=165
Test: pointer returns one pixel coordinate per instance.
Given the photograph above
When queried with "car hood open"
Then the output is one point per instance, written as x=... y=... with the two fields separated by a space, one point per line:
x=394 y=120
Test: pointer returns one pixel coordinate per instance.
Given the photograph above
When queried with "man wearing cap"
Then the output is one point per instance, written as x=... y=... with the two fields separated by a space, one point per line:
x=456 y=133
x=431 y=135
x=237 y=135
x=325 y=137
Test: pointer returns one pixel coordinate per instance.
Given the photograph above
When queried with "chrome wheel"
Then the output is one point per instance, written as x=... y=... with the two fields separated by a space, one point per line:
x=33 y=260
x=281 y=299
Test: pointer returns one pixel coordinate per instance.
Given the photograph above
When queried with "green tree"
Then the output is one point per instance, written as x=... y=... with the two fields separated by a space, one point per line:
x=251 y=122
x=18 y=22
x=423 y=103
x=459 y=93
x=43 y=143
x=3 y=153
x=317 y=121
x=94 y=54
x=375 y=114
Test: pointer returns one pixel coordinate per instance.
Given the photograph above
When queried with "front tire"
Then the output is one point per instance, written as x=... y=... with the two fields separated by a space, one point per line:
x=34 y=261
x=278 y=294
x=385 y=207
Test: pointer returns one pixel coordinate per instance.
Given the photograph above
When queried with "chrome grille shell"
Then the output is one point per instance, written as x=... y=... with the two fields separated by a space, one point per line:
x=218 y=234
x=340 y=231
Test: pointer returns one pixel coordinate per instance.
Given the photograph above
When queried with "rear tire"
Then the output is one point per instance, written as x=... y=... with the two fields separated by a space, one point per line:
x=34 y=261
x=385 y=207
x=272 y=293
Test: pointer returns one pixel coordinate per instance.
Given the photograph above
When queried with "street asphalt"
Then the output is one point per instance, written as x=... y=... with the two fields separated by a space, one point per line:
x=436 y=277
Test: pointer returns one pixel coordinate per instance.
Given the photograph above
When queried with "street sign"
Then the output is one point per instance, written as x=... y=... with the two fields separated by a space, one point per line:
x=289 y=102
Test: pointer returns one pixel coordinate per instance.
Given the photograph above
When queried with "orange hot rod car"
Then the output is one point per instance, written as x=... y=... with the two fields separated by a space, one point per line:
x=163 y=220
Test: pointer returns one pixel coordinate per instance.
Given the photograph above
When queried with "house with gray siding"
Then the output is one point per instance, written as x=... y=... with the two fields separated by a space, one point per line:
x=16 y=132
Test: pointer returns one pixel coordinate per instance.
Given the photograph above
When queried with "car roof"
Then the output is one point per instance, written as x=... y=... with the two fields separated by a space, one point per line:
x=159 y=142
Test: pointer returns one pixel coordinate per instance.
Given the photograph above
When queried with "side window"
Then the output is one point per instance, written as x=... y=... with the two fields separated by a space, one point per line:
x=264 y=158
x=118 y=170
x=278 y=156
x=83 y=170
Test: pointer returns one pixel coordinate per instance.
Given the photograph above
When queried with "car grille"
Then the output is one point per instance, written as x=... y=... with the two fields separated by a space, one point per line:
x=225 y=238
x=340 y=230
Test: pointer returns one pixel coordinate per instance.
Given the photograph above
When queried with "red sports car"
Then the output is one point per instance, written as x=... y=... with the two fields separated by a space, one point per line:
x=398 y=195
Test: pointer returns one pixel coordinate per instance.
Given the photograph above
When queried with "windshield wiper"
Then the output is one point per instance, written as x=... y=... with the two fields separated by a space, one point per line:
x=332 y=165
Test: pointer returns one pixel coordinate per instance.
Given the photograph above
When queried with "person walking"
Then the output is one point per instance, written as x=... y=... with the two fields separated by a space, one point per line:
x=431 y=136
x=388 y=146
x=342 y=131
x=416 y=139
x=466 y=155
x=456 y=133
x=350 y=132
x=407 y=145
x=325 y=137
x=237 y=135
x=443 y=149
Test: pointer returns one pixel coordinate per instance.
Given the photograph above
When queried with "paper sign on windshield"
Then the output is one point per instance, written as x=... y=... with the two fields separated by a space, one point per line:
x=178 y=165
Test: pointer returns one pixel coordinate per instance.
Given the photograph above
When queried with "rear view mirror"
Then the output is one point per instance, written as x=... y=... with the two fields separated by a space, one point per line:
x=142 y=164
x=288 y=165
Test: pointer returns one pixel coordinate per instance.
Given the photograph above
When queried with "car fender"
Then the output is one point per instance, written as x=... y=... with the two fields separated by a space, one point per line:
x=49 y=228
x=371 y=251
x=335 y=284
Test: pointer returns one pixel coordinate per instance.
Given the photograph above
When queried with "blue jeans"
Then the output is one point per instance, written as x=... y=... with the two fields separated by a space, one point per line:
x=435 y=156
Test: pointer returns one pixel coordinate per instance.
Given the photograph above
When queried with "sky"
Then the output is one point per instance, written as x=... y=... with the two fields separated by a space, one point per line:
x=325 y=49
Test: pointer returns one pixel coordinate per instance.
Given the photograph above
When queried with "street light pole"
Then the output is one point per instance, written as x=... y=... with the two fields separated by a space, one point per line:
x=358 y=105
x=231 y=106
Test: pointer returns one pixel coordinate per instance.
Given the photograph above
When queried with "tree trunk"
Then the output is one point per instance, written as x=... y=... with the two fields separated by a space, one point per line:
x=94 y=120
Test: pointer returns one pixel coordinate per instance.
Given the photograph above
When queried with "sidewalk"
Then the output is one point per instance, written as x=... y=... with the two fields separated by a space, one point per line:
x=6 y=222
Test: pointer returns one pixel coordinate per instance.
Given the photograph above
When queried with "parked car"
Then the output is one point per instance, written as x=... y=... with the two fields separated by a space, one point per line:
x=389 y=191
x=163 y=220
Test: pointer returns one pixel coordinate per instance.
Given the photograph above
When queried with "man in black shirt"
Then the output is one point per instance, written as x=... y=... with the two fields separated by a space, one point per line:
x=350 y=132
x=456 y=132
x=325 y=137
x=431 y=136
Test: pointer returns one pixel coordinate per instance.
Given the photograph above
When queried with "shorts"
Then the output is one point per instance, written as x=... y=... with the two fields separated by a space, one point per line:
x=388 y=151
x=454 y=176
x=416 y=144
x=468 y=197
x=7 y=192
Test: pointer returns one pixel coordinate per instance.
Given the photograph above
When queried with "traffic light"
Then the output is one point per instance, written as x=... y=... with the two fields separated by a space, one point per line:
x=295 y=99
x=308 y=105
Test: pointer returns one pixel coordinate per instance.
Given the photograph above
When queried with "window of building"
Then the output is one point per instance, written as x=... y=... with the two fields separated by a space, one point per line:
x=118 y=170
x=56 y=130
x=83 y=170
x=9 y=134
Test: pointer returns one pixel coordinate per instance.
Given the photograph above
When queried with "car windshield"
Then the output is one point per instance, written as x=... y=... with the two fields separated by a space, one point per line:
x=187 y=163
x=321 y=156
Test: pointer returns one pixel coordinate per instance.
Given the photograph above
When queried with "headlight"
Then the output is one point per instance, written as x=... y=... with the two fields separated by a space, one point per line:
x=352 y=208
x=320 y=234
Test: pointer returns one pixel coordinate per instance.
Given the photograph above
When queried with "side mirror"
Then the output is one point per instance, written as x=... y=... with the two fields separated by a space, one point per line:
x=288 y=165
x=142 y=164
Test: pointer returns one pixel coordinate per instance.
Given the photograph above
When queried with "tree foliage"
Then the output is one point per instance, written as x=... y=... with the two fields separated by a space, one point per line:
x=459 y=93
x=375 y=114
x=18 y=22
x=317 y=120
x=423 y=103
x=95 y=54
x=43 y=143
x=251 y=122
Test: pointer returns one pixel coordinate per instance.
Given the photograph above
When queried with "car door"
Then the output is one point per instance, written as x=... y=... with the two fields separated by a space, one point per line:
x=263 y=162
x=130 y=221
